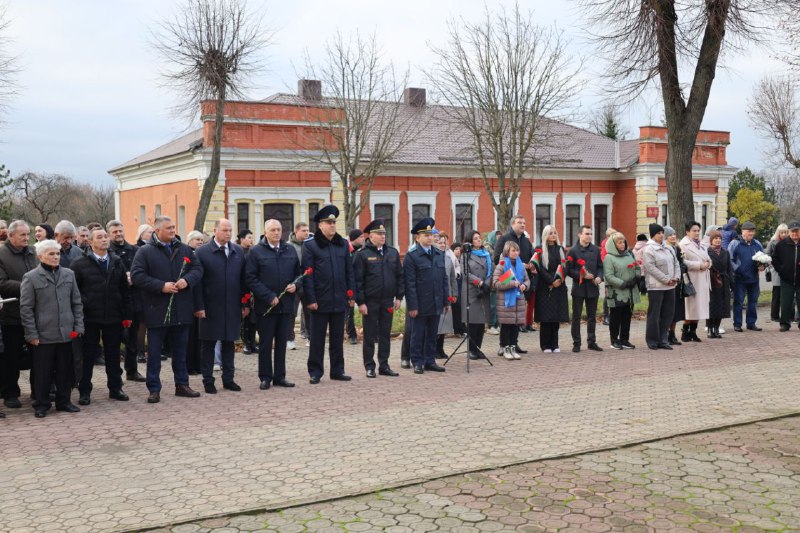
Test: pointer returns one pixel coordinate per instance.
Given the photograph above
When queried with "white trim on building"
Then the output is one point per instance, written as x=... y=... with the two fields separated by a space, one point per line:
x=387 y=197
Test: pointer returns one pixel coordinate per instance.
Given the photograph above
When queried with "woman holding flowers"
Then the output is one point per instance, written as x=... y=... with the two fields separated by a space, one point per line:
x=511 y=280
x=52 y=316
x=551 y=293
x=622 y=271
x=476 y=284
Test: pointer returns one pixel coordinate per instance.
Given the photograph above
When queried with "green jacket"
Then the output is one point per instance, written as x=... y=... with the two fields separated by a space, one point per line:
x=617 y=270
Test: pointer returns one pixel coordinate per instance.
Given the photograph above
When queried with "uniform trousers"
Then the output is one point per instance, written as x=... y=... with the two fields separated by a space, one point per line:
x=179 y=339
x=112 y=337
x=377 y=328
x=331 y=324
x=52 y=363
x=423 y=339
x=273 y=334
x=405 y=348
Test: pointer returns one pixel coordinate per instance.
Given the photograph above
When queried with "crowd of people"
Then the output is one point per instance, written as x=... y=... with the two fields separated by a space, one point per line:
x=83 y=297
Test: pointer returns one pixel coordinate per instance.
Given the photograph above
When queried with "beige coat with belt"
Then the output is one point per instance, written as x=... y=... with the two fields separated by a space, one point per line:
x=694 y=255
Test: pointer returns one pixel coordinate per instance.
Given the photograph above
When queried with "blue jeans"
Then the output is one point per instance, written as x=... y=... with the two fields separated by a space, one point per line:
x=179 y=338
x=740 y=289
x=423 y=339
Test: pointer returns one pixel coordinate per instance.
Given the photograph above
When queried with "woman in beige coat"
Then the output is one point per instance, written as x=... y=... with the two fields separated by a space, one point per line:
x=698 y=263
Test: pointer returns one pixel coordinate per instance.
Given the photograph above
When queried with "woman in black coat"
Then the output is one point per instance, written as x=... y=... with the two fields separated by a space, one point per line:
x=720 y=305
x=551 y=292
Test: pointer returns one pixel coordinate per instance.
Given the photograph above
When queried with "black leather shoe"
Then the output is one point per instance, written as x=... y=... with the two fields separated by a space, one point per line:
x=117 y=395
x=665 y=346
x=341 y=377
x=474 y=356
x=154 y=397
x=433 y=367
x=137 y=377
x=265 y=385
x=69 y=408
x=2 y=415
x=754 y=328
x=100 y=362
x=576 y=349
x=210 y=388
x=185 y=391
x=738 y=329
x=418 y=369
x=654 y=346
x=40 y=413
x=784 y=327
x=232 y=386
x=405 y=363
x=371 y=373
x=594 y=347
x=246 y=350
x=84 y=399
x=283 y=383
x=388 y=372
x=12 y=403
x=314 y=380
x=522 y=329
x=530 y=328
x=518 y=349
x=353 y=340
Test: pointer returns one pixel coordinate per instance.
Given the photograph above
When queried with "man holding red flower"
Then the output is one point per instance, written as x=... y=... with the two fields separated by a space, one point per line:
x=585 y=268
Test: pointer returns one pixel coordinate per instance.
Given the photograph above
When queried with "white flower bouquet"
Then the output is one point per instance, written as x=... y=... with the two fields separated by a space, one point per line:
x=762 y=258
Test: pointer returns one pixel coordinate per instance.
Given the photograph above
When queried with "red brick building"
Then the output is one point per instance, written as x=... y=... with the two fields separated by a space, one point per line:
x=265 y=174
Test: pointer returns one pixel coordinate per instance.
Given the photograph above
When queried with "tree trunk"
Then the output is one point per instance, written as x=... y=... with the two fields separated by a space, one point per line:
x=678 y=174
x=503 y=215
x=213 y=174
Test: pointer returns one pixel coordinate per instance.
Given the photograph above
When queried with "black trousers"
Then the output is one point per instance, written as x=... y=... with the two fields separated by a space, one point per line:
x=52 y=363
x=458 y=321
x=331 y=324
x=207 y=348
x=351 y=323
x=194 y=358
x=660 y=310
x=132 y=348
x=14 y=341
x=548 y=335
x=790 y=297
x=111 y=335
x=591 y=319
x=273 y=334
x=405 y=348
x=509 y=335
x=476 y=332
x=248 y=330
x=377 y=328
x=775 y=307
x=619 y=324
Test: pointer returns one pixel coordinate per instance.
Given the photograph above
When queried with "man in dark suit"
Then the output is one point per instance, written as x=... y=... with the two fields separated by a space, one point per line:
x=427 y=295
x=272 y=268
x=328 y=292
x=218 y=303
x=585 y=268
x=165 y=272
x=379 y=291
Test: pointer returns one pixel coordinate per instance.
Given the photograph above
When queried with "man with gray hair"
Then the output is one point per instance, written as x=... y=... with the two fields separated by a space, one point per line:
x=65 y=236
x=16 y=259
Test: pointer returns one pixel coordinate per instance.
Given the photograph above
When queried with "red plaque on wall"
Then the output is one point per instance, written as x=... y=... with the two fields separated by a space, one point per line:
x=652 y=212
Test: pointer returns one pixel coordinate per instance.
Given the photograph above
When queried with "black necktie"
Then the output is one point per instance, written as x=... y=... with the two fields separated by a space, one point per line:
x=380 y=251
x=104 y=264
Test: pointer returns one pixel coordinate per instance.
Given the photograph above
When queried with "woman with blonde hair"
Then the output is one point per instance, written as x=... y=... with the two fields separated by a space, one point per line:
x=551 y=292
x=781 y=232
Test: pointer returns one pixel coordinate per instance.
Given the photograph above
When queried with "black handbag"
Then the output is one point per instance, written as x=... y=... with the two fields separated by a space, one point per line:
x=642 y=284
x=687 y=287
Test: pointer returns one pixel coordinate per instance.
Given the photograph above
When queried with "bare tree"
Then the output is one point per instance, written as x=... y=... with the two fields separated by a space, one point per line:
x=774 y=114
x=367 y=124
x=506 y=81
x=649 y=41
x=211 y=47
x=98 y=202
x=43 y=196
x=606 y=122
x=8 y=66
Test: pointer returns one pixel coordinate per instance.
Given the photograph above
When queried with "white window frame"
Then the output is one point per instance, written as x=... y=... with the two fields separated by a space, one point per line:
x=421 y=198
x=699 y=200
x=569 y=198
x=258 y=196
x=463 y=198
x=602 y=198
x=387 y=197
x=542 y=198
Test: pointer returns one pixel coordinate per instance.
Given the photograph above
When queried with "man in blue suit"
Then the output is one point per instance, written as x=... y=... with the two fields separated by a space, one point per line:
x=427 y=295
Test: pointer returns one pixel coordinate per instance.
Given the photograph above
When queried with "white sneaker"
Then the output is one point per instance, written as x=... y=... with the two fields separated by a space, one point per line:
x=308 y=343
x=547 y=350
x=721 y=330
x=501 y=351
x=217 y=368
x=493 y=331
x=556 y=350
x=290 y=345
x=515 y=354
x=508 y=353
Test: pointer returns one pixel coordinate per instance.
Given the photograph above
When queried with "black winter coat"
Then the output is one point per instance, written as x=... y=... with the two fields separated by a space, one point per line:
x=220 y=292
x=525 y=246
x=126 y=252
x=594 y=265
x=379 y=278
x=268 y=272
x=14 y=263
x=720 y=304
x=332 y=278
x=154 y=265
x=551 y=304
x=105 y=295
x=426 y=283
x=785 y=261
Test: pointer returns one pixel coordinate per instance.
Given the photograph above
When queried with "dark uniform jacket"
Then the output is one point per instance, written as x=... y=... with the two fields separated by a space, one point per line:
x=220 y=292
x=106 y=296
x=333 y=273
x=14 y=263
x=426 y=284
x=268 y=272
x=594 y=265
x=379 y=278
x=525 y=246
x=156 y=264
x=785 y=261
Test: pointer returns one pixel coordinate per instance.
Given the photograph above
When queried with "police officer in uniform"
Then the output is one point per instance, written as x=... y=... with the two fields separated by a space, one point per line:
x=427 y=295
x=328 y=292
x=379 y=291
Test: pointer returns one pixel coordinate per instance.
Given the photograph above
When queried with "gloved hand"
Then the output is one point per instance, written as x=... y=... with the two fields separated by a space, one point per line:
x=631 y=283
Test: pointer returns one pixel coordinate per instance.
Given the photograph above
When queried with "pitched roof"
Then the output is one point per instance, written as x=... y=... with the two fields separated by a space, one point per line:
x=185 y=143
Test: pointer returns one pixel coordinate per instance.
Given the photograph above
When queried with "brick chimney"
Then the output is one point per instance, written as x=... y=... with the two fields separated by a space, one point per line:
x=414 y=97
x=309 y=89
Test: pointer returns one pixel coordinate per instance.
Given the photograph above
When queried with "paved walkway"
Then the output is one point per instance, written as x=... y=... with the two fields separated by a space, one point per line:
x=739 y=479
x=121 y=466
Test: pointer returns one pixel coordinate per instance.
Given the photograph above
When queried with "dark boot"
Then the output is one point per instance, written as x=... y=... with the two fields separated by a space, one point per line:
x=673 y=340
x=685 y=335
x=693 y=333
x=440 y=347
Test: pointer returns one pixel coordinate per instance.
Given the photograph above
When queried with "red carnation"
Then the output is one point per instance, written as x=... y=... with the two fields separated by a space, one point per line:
x=350 y=294
x=570 y=258
x=246 y=298
x=581 y=262
x=187 y=260
x=564 y=261
x=538 y=250
x=451 y=299
x=73 y=334
x=308 y=271
x=501 y=262
x=390 y=310
x=127 y=323
x=476 y=282
x=632 y=265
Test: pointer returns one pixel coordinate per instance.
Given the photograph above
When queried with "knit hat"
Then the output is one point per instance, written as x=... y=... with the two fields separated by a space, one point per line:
x=355 y=234
x=655 y=229
x=641 y=237
x=668 y=231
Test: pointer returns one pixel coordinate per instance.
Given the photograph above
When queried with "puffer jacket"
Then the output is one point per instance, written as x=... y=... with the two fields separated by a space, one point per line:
x=660 y=266
x=729 y=232
x=509 y=315
x=620 y=268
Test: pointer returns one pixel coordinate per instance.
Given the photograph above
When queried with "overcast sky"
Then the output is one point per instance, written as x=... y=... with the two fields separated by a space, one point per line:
x=90 y=99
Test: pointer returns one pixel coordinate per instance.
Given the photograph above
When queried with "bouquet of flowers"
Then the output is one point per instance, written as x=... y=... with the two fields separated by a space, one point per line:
x=297 y=280
x=168 y=316
x=762 y=259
